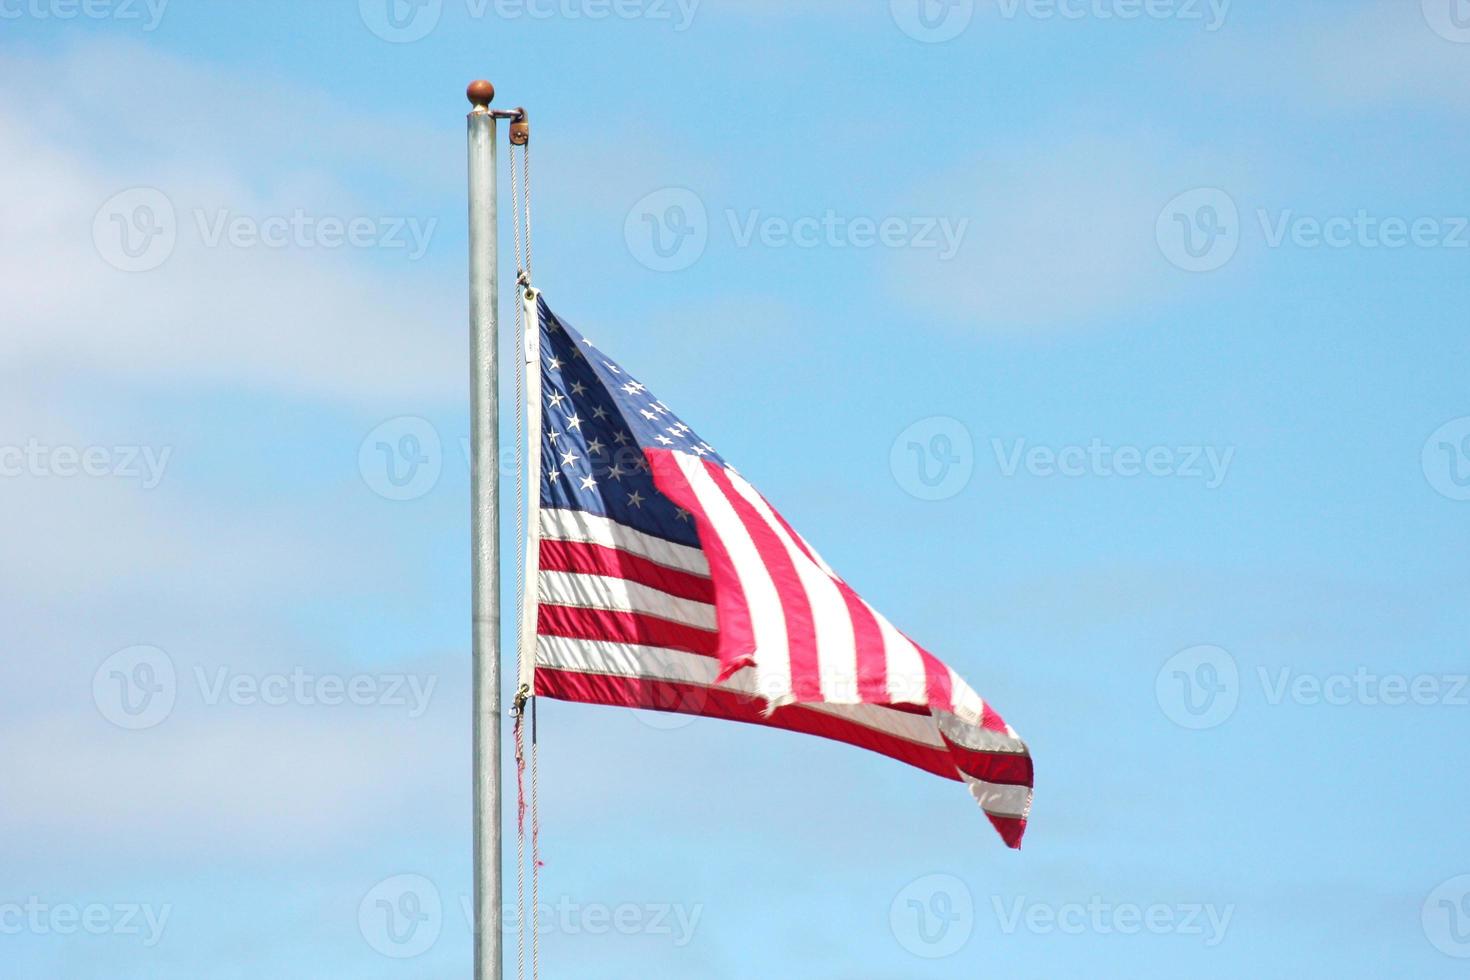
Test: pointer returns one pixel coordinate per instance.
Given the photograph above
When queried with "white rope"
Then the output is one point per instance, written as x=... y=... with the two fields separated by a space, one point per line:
x=535 y=741
x=521 y=480
x=520 y=195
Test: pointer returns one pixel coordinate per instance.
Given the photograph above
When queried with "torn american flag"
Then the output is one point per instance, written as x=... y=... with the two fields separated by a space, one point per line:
x=665 y=581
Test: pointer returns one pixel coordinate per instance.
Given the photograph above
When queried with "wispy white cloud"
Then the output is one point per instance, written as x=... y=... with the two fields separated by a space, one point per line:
x=307 y=317
x=1061 y=228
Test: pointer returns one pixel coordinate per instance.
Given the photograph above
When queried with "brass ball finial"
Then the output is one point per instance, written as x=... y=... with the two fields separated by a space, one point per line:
x=480 y=92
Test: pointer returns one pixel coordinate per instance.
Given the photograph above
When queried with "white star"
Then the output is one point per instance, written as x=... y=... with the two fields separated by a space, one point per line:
x=682 y=428
x=616 y=472
x=553 y=435
x=573 y=422
x=554 y=475
x=632 y=387
x=588 y=342
x=642 y=465
x=707 y=447
x=554 y=364
x=599 y=413
x=648 y=415
x=578 y=387
x=588 y=483
x=700 y=450
x=635 y=499
x=569 y=457
x=613 y=367
x=681 y=514
x=621 y=438
x=556 y=399
x=661 y=408
x=595 y=446
x=664 y=440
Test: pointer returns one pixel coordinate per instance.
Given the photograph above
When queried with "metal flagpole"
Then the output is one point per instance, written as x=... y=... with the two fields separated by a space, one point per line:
x=485 y=529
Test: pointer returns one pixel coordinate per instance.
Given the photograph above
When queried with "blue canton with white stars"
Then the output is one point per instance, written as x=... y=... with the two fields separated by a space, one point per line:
x=596 y=421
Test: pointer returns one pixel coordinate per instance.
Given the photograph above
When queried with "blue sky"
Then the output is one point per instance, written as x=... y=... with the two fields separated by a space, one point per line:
x=1221 y=248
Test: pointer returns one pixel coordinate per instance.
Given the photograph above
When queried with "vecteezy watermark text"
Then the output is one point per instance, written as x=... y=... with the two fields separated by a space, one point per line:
x=148 y=13
x=137 y=230
x=832 y=230
x=1103 y=918
x=1201 y=230
x=667 y=230
x=40 y=918
x=137 y=687
x=146 y=464
x=1099 y=459
x=403 y=915
x=406 y=21
x=1201 y=686
x=1210 y=13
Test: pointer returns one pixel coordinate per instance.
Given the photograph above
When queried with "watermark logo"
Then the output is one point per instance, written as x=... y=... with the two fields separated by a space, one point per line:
x=1446 y=459
x=1198 y=687
x=1201 y=687
x=1450 y=19
x=138 y=687
x=667 y=230
x=401 y=459
x=401 y=21
x=1199 y=231
x=674 y=707
x=934 y=458
x=401 y=916
x=933 y=916
x=149 y=13
x=135 y=688
x=1446 y=917
x=135 y=230
x=932 y=21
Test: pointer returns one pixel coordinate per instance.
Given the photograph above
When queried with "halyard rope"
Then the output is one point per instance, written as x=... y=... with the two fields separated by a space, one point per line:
x=520 y=195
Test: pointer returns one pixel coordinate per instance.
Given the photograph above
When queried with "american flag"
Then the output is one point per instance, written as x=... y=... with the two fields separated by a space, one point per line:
x=666 y=581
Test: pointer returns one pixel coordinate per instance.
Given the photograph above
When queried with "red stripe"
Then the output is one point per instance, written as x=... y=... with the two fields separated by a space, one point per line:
x=596 y=559
x=657 y=695
x=737 y=637
x=801 y=631
x=718 y=702
x=577 y=623
x=1003 y=768
x=1012 y=829
x=872 y=665
x=936 y=681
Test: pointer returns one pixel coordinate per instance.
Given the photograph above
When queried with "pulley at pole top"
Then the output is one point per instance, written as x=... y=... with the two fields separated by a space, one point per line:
x=481 y=93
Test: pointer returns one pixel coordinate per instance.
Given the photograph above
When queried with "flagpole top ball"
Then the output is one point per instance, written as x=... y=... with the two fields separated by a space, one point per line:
x=480 y=92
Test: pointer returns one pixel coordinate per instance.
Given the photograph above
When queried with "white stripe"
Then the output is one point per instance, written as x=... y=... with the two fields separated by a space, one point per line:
x=836 y=644
x=622 y=595
x=968 y=705
x=561 y=524
x=907 y=682
x=661 y=664
x=999 y=798
x=767 y=619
